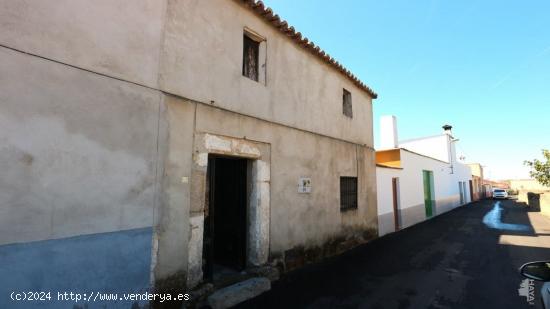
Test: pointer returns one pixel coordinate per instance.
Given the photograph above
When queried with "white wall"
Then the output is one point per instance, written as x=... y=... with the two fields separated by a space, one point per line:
x=388 y=132
x=384 y=195
x=413 y=181
x=384 y=177
x=411 y=189
x=445 y=184
x=435 y=146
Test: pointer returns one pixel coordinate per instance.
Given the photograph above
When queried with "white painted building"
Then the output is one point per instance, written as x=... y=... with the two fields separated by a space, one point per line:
x=417 y=179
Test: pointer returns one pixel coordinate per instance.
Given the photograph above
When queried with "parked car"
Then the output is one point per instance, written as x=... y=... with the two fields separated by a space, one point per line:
x=539 y=271
x=500 y=193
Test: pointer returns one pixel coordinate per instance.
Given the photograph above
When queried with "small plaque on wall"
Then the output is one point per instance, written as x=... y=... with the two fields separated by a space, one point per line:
x=304 y=185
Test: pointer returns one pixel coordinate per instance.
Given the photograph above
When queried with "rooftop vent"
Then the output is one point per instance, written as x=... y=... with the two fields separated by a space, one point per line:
x=447 y=128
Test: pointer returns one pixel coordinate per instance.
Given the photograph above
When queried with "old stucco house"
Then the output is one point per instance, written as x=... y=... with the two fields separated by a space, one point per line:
x=165 y=143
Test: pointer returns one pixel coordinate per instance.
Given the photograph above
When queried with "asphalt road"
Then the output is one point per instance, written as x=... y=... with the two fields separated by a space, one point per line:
x=454 y=260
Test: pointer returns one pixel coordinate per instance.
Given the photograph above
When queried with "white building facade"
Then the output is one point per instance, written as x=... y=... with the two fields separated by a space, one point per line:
x=417 y=179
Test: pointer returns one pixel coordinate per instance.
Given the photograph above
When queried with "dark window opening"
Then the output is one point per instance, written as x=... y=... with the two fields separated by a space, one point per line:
x=250 y=57
x=348 y=193
x=346 y=104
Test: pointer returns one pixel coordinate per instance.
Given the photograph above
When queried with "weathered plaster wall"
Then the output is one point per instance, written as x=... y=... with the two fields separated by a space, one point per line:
x=78 y=151
x=116 y=262
x=303 y=219
x=117 y=38
x=198 y=45
x=83 y=153
x=294 y=219
x=202 y=60
x=172 y=226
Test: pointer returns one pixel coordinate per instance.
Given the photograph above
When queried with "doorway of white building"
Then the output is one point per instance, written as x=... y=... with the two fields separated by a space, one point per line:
x=462 y=190
x=428 y=178
x=395 y=197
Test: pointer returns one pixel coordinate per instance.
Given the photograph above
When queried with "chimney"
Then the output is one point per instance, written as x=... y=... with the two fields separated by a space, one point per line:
x=448 y=129
x=388 y=132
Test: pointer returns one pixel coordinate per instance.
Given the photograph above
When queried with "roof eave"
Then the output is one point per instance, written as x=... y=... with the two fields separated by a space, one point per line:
x=267 y=15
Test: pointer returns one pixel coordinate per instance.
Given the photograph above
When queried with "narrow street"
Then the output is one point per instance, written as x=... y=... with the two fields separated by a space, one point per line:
x=452 y=261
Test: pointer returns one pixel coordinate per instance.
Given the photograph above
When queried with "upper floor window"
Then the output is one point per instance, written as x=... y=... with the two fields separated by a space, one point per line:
x=251 y=49
x=346 y=104
x=254 y=56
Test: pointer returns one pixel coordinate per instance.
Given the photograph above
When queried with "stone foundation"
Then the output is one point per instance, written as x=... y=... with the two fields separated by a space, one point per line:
x=299 y=256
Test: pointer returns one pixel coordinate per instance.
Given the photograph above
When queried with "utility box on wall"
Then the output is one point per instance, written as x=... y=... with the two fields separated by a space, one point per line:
x=304 y=185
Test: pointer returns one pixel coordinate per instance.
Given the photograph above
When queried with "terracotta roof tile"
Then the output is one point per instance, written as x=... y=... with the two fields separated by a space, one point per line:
x=267 y=14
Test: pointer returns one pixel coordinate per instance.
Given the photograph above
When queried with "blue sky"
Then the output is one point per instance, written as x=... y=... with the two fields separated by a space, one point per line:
x=481 y=66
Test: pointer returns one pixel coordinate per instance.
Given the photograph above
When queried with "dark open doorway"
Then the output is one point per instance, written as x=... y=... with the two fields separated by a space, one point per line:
x=472 y=197
x=428 y=192
x=395 y=199
x=226 y=216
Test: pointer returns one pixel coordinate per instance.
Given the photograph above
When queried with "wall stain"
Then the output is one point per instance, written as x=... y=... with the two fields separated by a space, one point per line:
x=26 y=158
x=299 y=256
x=143 y=184
x=174 y=285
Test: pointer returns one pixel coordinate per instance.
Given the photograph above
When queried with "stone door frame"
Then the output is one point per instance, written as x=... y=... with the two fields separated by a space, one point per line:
x=258 y=208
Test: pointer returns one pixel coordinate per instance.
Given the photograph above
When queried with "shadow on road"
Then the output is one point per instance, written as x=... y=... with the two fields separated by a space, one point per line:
x=454 y=260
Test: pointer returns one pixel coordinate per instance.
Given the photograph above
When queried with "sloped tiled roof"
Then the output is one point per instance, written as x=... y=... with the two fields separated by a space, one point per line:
x=267 y=14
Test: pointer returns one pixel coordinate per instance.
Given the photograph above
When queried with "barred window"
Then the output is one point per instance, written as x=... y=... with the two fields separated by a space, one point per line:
x=348 y=193
x=346 y=104
x=250 y=57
